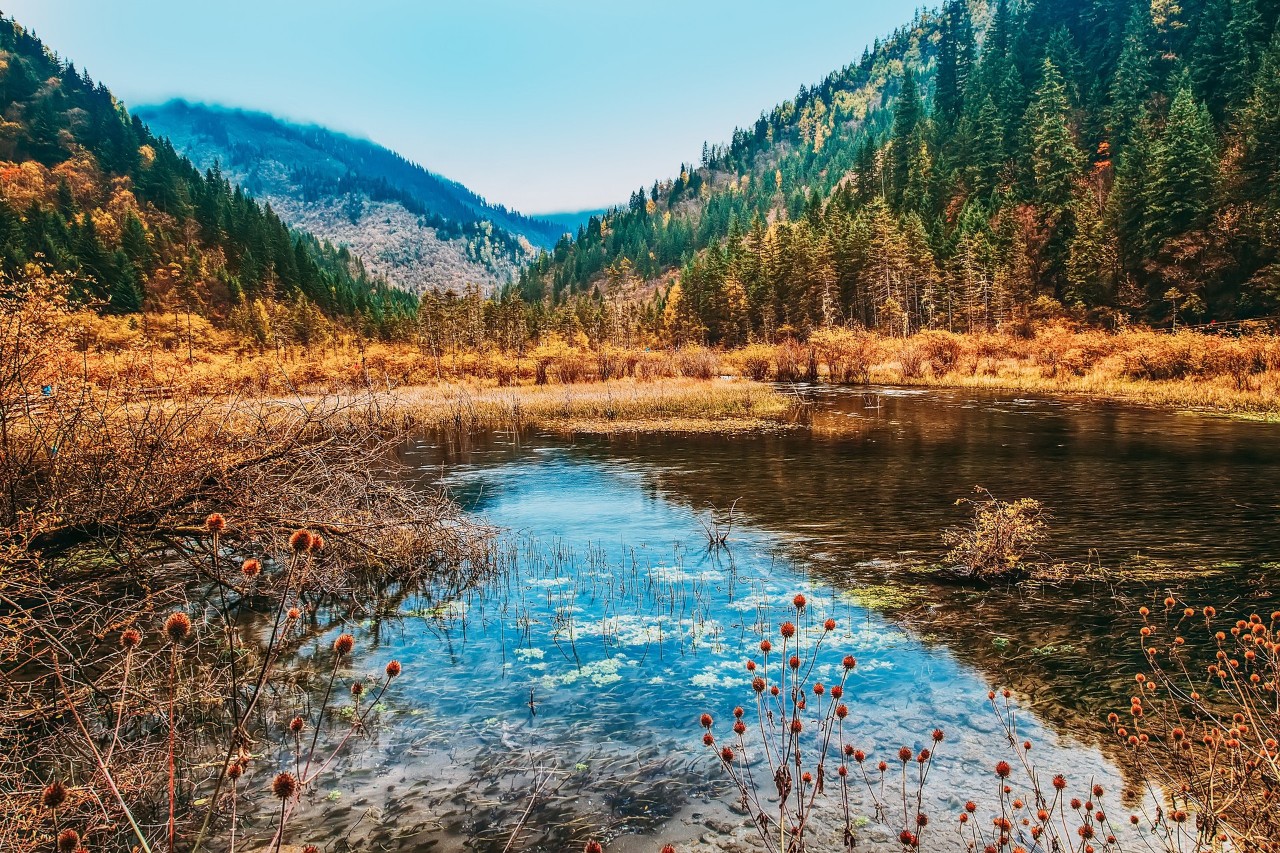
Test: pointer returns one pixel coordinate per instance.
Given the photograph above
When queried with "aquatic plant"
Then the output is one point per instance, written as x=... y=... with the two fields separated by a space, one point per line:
x=1002 y=540
x=1204 y=749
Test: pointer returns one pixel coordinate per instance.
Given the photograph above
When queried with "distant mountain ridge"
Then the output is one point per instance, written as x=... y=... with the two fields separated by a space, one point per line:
x=417 y=229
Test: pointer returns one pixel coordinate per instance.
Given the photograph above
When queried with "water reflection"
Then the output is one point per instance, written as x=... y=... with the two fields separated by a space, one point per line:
x=580 y=671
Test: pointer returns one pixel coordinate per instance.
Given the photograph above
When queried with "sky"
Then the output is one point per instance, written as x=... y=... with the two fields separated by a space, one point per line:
x=541 y=105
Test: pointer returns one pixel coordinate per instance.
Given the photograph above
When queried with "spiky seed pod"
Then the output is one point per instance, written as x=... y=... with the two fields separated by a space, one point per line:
x=344 y=644
x=177 y=626
x=850 y=662
x=294 y=614
x=130 y=638
x=54 y=795
x=68 y=841
x=301 y=540
x=799 y=602
x=251 y=568
x=829 y=625
x=284 y=786
x=357 y=689
x=669 y=848
x=235 y=771
x=297 y=724
x=788 y=630
x=311 y=848
x=1003 y=769
x=593 y=847
x=317 y=542
x=705 y=721
x=215 y=523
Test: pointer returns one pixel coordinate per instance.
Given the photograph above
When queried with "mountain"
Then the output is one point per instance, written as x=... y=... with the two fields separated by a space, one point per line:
x=570 y=221
x=988 y=164
x=86 y=189
x=413 y=227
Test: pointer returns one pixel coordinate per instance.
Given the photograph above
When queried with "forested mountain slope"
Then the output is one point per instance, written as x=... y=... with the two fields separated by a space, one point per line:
x=1111 y=159
x=417 y=229
x=87 y=189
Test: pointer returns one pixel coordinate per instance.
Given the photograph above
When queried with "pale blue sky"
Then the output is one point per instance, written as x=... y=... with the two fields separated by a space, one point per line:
x=543 y=105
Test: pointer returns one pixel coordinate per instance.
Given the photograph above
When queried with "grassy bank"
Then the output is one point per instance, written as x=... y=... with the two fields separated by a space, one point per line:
x=620 y=405
x=1237 y=375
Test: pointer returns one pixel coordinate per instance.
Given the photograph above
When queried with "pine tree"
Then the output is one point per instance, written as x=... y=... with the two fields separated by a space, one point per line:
x=1243 y=41
x=956 y=51
x=1260 y=130
x=1129 y=90
x=1055 y=158
x=1184 y=171
x=906 y=116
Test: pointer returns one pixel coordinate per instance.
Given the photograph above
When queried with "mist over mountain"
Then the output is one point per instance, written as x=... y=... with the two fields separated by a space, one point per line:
x=415 y=228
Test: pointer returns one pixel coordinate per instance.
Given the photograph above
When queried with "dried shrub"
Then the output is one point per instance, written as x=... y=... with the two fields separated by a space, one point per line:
x=941 y=349
x=1002 y=541
x=911 y=360
x=755 y=360
x=790 y=360
x=697 y=362
x=847 y=354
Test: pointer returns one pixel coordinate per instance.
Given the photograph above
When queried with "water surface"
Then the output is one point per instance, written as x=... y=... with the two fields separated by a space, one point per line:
x=581 y=669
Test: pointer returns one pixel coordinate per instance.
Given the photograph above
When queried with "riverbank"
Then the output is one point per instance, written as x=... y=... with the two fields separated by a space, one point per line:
x=677 y=405
x=1232 y=375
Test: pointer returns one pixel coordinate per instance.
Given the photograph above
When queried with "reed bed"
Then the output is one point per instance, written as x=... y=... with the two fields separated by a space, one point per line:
x=673 y=405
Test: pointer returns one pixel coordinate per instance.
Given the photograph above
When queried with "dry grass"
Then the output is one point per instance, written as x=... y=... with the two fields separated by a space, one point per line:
x=669 y=405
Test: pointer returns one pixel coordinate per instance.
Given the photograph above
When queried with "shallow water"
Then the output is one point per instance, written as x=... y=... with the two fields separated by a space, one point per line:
x=613 y=620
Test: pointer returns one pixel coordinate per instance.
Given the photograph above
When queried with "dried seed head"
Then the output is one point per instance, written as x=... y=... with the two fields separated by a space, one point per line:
x=593 y=847
x=766 y=646
x=284 y=786
x=177 y=626
x=251 y=568
x=317 y=542
x=357 y=689
x=300 y=541
x=130 y=638
x=311 y=848
x=788 y=630
x=799 y=602
x=68 y=841
x=1003 y=769
x=669 y=848
x=294 y=614
x=727 y=754
x=705 y=721
x=829 y=625
x=344 y=644
x=850 y=662
x=938 y=735
x=54 y=795
x=215 y=523
x=297 y=724
x=235 y=770
x=393 y=669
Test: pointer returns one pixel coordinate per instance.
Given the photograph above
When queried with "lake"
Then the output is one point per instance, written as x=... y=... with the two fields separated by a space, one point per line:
x=580 y=669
